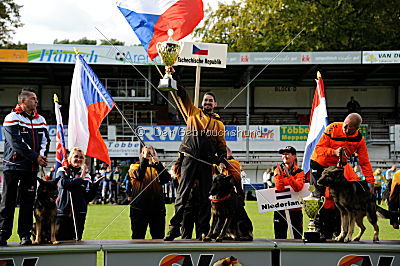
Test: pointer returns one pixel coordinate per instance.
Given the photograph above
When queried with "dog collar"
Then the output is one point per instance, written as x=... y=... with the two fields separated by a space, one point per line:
x=221 y=199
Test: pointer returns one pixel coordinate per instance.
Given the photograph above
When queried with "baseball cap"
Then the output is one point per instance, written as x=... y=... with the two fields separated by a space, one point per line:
x=288 y=149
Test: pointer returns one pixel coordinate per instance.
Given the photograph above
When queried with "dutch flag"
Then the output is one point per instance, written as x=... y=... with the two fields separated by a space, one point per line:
x=151 y=19
x=90 y=102
x=318 y=122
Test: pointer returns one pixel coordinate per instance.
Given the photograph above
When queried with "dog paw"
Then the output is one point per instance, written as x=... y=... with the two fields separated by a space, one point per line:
x=376 y=239
x=218 y=239
x=35 y=242
x=339 y=239
x=206 y=239
x=356 y=239
x=55 y=242
x=347 y=239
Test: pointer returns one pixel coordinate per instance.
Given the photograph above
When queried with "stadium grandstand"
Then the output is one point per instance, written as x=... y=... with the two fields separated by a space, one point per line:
x=276 y=106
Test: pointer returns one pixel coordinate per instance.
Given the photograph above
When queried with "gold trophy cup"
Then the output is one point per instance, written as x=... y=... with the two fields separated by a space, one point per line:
x=169 y=52
x=312 y=205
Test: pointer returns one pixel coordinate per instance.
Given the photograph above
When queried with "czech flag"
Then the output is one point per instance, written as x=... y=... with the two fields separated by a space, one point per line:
x=90 y=103
x=151 y=19
x=199 y=50
x=61 y=151
x=318 y=122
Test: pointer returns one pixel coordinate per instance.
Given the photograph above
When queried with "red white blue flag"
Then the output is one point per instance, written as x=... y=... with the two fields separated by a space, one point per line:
x=90 y=103
x=61 y=150
x=318 y=123
x=151 y=19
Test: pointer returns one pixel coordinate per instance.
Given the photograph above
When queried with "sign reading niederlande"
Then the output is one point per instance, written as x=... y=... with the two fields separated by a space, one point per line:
x=203 y=54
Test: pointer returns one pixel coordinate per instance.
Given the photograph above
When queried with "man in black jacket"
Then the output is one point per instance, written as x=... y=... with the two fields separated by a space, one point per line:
x=26 y=145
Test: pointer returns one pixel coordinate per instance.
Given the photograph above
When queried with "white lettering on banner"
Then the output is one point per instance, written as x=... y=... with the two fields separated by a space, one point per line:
x=123 y=148
x=269 y=200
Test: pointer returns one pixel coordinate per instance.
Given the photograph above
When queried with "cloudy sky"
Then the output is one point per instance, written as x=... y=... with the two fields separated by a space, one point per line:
x=47 y=20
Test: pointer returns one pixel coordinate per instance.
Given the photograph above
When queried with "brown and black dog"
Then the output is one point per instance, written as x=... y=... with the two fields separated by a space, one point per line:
x=229 y=218
x=45 y=211
x=354 y=201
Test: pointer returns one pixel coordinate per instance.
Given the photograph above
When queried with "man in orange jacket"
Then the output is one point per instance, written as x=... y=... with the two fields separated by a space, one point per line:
x=337 y=136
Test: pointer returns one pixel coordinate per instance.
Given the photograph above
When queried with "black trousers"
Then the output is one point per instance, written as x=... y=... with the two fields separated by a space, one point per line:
x=281 y=226
x=65 y=228
x=153 y=218
x=394 y=205
x=328 y=223
x=191 y=170
x=191 y=215
x=316 y=172
x=25 y=184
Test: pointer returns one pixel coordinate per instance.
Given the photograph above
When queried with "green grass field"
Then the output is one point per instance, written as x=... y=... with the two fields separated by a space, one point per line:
x=99 y=225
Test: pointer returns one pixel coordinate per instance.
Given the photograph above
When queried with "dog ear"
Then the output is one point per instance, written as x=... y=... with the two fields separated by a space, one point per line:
x=229 y=177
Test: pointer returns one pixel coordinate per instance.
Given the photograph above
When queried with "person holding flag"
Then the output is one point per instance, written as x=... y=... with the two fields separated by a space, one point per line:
x=75 y=191
x=90 y=102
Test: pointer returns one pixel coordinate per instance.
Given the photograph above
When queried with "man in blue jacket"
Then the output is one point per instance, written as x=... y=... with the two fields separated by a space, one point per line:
x=26 y=145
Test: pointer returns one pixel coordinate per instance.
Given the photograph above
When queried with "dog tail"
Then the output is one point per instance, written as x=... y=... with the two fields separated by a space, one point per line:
x=382 y=213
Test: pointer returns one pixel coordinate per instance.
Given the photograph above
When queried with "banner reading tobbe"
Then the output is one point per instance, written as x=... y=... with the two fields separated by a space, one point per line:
x=300 y=133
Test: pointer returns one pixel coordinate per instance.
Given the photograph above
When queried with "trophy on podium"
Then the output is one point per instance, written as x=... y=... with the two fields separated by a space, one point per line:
x=169 y=52
x=312 y=206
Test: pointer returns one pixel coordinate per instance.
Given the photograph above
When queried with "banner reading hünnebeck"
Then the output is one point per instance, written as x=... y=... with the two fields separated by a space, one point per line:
x=203 y=54
x=269 y=200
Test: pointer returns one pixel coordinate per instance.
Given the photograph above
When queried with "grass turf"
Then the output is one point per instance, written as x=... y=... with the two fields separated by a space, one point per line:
x=112 y=222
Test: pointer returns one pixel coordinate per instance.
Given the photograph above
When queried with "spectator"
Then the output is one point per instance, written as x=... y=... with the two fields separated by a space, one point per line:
x=234 y=121
x=288 y=174
x=357 y=170
x=353 y=106
x=26 y=144
x=75 y=191
x=106 y=192
x=268 y=177
x=379 y=177
x=146 y=195
x=394 y=199
x=390 y=173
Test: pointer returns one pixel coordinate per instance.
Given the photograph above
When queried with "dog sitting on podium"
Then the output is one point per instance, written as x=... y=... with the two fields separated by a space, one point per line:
x=229 y=218
x=45 y=210
x=354 y=201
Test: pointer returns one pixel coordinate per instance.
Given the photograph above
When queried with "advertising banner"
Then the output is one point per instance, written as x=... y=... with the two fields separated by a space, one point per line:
x=13 y=55
x=300 y=132
x=269 y=200
x=381 y=57
x=203 y=54
x=258 y=133
x=93 y=54
x=123 y=148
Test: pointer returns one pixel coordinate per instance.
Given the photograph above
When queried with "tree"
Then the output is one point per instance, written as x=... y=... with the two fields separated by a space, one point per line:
x=83 y=40
x=111 y=42
x=9 y=20
x=329 y=25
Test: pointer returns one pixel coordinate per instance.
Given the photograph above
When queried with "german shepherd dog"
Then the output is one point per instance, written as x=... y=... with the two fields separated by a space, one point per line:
x=354 y=201
x=229 y=218
x=45 y=211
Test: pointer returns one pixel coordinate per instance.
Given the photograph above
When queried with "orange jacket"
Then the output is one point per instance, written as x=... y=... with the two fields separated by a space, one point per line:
x=295 y=180
x=334 y=138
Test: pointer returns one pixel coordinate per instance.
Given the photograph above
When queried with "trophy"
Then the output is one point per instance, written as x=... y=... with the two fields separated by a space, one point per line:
x=169 y=52
x=312 y=206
